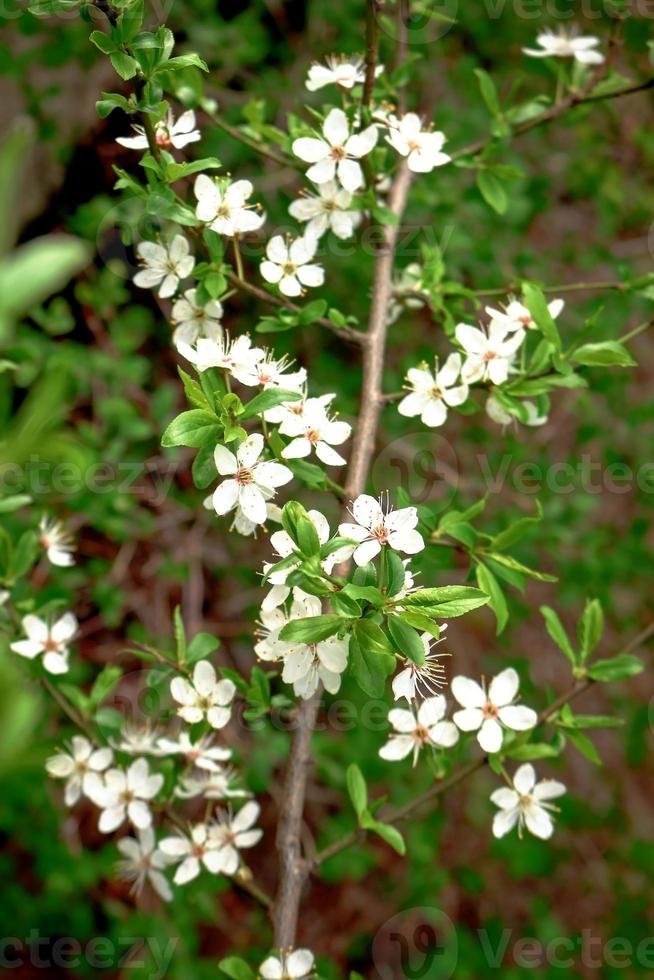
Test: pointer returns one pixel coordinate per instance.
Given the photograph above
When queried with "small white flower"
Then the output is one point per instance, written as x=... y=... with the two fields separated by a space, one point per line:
x=124 y=795
x=418 y=678
x=516 y=316
x=498 y=413
x=50 y=640
x=193 y=852
x=236 y=355
x=167 y=132
x=489 y=356
x=329 y=209
x=314 y=430
x=57 y=542
x=296 y=965
x=193 y=320
x=422 y=147
x=137 y=740
x=243 y=525
x=251 y=482
x=204 y=696
x=526 y=804
x=408 y=291
x=233 y=833
x=270 y=647
x=211 y=785
x=339 y=70
x=488 y=713
x=202 y=754
x=564 y=45
x=289 y=266
x=374 y=529
x=225 y=208
x=431 y=394
x=164 y=266
x=336 y=155
x=143 y=861
x=75 y=765
x=270 y=372
x=414 y=731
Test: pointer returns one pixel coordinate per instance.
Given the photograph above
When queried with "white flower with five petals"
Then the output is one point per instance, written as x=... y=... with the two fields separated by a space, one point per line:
x=204 y=696
x=526 y=803
x=295 y=965
x=422 y=147
x=202 y=754
x=489 y=355
x=193 y=320
x=375 y=529
x=567 y=45
x=143 y=861
x=251 y=481
x=235 y=356
x=432 y=394
x=270 y=372
x=168 y=132
x=74 y=766
x=124 y=795
x=225 y=208
x=50 y=641
x=415 y=731
x=233 y=833
x=488 y=713
x=338 y=153
x=345 y=71
x=164 y=265
x=290 y=266
x=314 y=430
x=194 y=852
x=329 y=209
x=516 y=316
x=417 y=678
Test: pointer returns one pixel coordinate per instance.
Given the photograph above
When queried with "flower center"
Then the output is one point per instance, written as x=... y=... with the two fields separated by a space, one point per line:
x=413 y=146
x=338 y=153
x=489 y=355
x=420 y=734
x=313 y=436
x=51 y=646
x=489 y=710
x=243 y=476
x=127 y=796
x=436 y=392
x=197 y=851
x=223 y=211
x=289 y=268
x=204 y=703
x=380 y=532
x=162 y=138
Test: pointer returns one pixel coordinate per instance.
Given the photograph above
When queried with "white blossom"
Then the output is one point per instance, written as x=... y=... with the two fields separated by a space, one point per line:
x=75 y=765
x=221 y=352
x=124 y=795
x=567 y=45
x=137 y=740
x=225 y=208
x=516 y=316
x=57 y=542
x=290 y=266
x=234 y=833
x=375 y=528
x=167 y=132
x=488 y=713
x=328 y=210
x=500 y=414
x=422 y=147
x=432 y=394
x=193 y=852
x=193 y=320
x=314 y=430
x=243 y=525
x=143 y=861
x=288 y=965
x=270 y=372
x=526 y=804
x=342 y=70
x=414 y=731
x=251 y=481
x=204 y=697
x=203 y=754
x=164 y=265
x=338 y=153
x=489 y=355
x=408 y=291
x=420 y=678
x=219 y=785
x=50 y=640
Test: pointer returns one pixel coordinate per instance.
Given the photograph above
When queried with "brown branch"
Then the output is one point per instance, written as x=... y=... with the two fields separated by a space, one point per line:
x=397 y=814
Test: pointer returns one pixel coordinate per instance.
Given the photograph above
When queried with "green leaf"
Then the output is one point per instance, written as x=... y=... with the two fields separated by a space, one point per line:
x=312 y=629
x=446 y=601
x=180 y=635
x=109 y=102
x=510 y=535
x=584 y=745
x=407 y=640
x=38 y=269
x=200 y=647
x=193 y=428
x=102 y=42
x=369 y=663
x=537 y=305
x=489 y=584
x=529 y=751
x=23 y=556
x=517 y=566
x=492 y=190
x=312 y=311
x=395 y=573
x=104 y=683
x=387 y=832
x=488 y=91
x=268 y=399
x=557 y=632
x=124 y=65
x=9 y=504
x=356 y=787
x=236 y=968
x=590 y=628
x=608 y=353
x=615 y=668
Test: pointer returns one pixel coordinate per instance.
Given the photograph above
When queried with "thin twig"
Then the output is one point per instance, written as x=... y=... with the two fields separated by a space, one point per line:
x=261 y=148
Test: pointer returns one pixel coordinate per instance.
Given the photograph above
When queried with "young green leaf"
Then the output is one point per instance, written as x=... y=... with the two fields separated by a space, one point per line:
x=356 y=787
